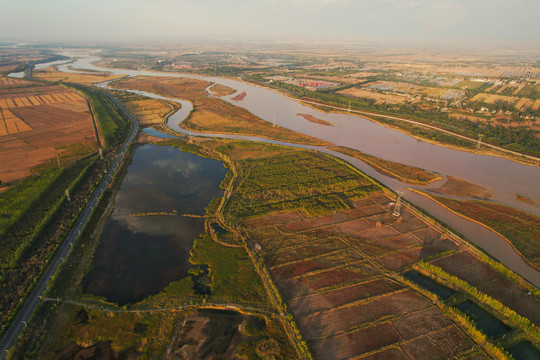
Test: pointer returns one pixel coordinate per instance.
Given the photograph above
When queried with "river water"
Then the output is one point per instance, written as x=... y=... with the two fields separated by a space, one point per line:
x=146 y=241
x=503 y=178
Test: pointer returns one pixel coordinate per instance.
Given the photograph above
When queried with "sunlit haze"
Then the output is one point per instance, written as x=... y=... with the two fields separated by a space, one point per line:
x=433 y=21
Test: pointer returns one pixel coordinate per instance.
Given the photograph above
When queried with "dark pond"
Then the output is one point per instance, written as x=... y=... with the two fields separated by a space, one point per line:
x=139 y=255
x=441 y=291
x=487 y=323
x=524 y=351
x=218 y=229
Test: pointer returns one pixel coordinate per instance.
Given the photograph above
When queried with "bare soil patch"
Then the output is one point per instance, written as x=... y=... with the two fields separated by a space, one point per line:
x=458 y=187
x=438 y=346
x=344 y=346
x=240 y=96
x=420 y=323
x=341 y=296
x=313 y=119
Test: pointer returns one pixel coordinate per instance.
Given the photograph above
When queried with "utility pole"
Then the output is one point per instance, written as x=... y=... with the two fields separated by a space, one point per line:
x=397 y=206
x=479 y=143
x=67 y=195
x=274 y=122
x=58 y=159
x=100 y=154
x=349 y=106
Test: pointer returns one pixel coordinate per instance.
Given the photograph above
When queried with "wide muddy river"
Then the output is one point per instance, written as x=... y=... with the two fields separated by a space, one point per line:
x=147 y=239
x=503 y=178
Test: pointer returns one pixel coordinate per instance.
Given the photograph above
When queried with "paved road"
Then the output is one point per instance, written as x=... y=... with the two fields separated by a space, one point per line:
x=29 y=69
x=31 y=302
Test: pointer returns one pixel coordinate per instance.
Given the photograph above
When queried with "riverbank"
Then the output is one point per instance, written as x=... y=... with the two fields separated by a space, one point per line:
x=494 y=150
x=501 y=220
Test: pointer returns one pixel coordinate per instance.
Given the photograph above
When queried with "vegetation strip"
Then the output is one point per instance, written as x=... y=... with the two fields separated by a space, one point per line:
x=517 y=320
x=404 y=173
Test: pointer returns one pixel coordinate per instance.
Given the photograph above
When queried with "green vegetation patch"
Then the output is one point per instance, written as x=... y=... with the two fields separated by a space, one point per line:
x=295 y=180
x=27 y=208
x=233 y=278
x=111 y=120
x=18 y=199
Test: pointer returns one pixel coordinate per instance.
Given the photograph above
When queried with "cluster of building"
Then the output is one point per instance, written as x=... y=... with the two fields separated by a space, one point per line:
x=522 y=74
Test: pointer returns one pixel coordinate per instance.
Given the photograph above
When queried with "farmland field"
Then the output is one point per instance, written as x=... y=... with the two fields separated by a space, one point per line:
x=147 y=111
x=334 y=267
x=37 y=123
x=339 y=269
x=491 y=98
x=373 y=95
x=52 y=74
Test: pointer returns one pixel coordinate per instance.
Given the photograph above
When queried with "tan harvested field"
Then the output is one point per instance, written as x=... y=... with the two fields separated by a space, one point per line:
x=524 y=102
x=10 y=82
x=37 y=123
x=378 y=97
x=491 y=98
x=460 y=115
x=335 y=271
x=536 y=105
x=222 y=90
x=150 y=111
x=51 y=74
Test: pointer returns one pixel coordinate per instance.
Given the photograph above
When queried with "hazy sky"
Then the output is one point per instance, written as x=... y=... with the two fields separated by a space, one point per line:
x=361 y=20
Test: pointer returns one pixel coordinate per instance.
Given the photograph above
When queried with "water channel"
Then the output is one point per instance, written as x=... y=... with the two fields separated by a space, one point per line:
x=503 y=178
x=147 y=239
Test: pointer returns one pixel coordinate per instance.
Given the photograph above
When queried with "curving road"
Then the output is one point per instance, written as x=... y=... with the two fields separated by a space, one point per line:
x=25 y=313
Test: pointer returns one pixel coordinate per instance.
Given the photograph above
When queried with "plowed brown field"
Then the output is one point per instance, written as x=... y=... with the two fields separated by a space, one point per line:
x=335 y=273
x=37 y=123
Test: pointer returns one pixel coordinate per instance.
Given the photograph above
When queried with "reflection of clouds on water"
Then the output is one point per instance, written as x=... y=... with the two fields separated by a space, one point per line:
x=181 y=228
x=177 y=165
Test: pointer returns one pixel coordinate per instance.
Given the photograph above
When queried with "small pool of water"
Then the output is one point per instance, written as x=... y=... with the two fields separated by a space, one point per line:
x=487 y=323
x=159 y=134
x=145 y=243
x=441 y=291
x=524 y=351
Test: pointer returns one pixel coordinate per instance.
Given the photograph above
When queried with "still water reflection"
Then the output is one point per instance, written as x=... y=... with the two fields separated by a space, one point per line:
x=139 y=255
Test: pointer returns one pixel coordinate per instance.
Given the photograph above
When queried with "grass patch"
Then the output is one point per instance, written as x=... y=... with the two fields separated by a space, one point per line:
x=404 y=173
x=112 y=122
x=295 y=180
x=222 y=90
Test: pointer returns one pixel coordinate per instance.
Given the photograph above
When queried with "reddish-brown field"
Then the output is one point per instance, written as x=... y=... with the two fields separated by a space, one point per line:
x=335 y=273
x=240 y=96
x=37 y=123
x=468 y=267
